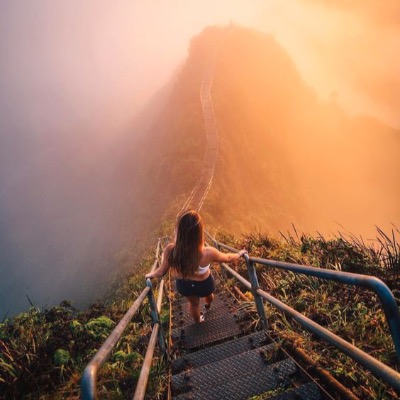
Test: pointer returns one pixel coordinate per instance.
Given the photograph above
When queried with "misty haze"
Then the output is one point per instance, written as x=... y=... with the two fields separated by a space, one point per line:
x=100 y=122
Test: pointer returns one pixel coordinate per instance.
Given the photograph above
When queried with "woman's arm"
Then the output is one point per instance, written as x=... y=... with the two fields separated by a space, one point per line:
x=217 y=256
x=164 y=267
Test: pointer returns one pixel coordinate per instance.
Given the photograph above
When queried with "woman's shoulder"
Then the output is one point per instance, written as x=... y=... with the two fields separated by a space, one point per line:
x=209 y=252
x=169 y=247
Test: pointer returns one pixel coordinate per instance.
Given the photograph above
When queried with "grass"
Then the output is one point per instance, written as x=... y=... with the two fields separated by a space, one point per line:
x=43 y=352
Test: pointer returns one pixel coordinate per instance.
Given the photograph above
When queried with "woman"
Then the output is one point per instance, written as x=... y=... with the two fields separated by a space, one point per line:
x=190 y=260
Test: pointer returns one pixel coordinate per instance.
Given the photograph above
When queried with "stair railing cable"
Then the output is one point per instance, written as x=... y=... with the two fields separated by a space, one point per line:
x=89 y=376
x=389 y=303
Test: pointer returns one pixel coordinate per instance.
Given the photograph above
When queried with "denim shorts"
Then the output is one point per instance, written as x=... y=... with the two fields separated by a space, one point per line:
x=188 y=287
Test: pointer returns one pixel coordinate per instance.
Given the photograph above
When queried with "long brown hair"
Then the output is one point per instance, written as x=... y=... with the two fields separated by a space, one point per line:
x=186 y=253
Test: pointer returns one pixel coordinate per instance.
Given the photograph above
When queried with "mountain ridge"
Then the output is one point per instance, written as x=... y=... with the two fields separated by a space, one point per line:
x=285 y=158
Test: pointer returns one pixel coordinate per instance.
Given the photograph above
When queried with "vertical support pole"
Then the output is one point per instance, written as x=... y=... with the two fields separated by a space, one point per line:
x=158 y=248
x=156 y=318
x=394 y=328
x=391 y=310
x=254 y=286
x=159 y=303
x=223 y=271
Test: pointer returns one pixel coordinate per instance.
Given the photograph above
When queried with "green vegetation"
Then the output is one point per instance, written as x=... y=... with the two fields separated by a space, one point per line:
x=43 y=353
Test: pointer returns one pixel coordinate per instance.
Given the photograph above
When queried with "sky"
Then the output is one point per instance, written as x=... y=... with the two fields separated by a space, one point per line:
x=74 y=74
x=103 y=60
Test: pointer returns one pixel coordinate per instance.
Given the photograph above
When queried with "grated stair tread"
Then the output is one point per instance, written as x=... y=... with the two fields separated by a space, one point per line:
x=308 y=391
x=181 y=316
x=227 y=368
x=210 y=331
x=219 y=352
x=247 y=376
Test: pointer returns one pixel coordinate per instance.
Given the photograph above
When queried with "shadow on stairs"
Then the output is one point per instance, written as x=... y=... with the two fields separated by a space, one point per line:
x=222 y=358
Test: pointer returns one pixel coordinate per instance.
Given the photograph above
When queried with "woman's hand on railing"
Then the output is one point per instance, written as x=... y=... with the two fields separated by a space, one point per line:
x=242 y=252
x=158 y=273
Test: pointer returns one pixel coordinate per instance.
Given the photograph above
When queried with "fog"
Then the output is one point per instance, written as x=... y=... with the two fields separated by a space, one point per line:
x=346 y=50
x=73 y=76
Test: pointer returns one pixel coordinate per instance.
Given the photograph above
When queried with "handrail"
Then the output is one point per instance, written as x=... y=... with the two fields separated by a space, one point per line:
x=379 y=369
x=141 y=385
x=89 y=376
x=388 y=374
x=373 y=283
x=88 y=383
x=145 y=371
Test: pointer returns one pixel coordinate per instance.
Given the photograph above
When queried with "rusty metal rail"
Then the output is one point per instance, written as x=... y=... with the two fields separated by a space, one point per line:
x=390 y=307
x=89 y=376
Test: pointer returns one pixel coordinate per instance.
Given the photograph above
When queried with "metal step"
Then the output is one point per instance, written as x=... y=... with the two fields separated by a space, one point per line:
x=227 y=368
x=221 y=305
x=219 y=352
x=234 y=378
x=210 y=331
x=181 y=301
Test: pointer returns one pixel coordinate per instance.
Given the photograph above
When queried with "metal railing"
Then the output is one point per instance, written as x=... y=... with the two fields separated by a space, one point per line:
x=157 y=332
x=89 y=376
x=389 y=304
x=387 y=374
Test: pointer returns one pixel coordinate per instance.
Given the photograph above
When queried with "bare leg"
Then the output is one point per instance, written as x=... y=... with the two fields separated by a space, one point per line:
x=209 y=299
x=194 y=307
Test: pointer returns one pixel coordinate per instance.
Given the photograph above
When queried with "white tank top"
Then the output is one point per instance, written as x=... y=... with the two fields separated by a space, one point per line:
x=202 y=270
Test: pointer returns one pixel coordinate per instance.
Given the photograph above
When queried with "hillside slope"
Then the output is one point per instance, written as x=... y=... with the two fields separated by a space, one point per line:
x=286 y=157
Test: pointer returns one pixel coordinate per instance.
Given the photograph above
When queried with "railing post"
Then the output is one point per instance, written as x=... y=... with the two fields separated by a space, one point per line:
x=223 y=270
x=217 y=246
x=156 y=318
x=254 y=286
x=391 y=310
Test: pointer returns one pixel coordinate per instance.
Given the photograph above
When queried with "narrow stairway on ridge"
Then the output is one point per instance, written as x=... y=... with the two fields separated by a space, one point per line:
x=224 y=356
x=215 y=357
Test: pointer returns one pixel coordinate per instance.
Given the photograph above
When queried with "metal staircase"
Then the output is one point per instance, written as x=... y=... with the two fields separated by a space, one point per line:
x=221 y=359
x=225 y=357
